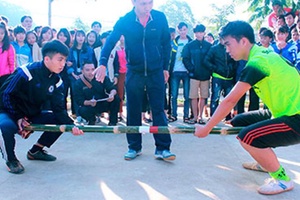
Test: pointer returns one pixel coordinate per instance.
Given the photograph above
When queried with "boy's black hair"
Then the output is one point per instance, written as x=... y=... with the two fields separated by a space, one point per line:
x=262 y=29
x=211 y=35
x=268 y=33
x=36 y=28
x=199 y=28
x=19 y=29
x=72 y=32
x=238 y=29
x=53 y=47
x=105 y=35
x=95 y=23
x=172 y=30
x=283 y=29
x=182 y=24
x=290 y=13
x=294 y=29
x=281 y=17
x=87 y=62
x=277 y=3
x=24 y=17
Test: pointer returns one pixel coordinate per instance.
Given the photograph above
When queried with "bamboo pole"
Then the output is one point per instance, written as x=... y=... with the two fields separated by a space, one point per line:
x=130 y=129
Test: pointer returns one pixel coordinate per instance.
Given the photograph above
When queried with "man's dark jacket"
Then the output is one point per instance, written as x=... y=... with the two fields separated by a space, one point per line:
x=147 y=48
x=220 y=62
x=193 y=56
x=98 y=90
x=28 y=88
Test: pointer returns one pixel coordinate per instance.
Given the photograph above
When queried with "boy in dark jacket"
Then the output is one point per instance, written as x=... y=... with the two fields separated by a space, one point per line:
x=87 y=91
x=223 y=69
x=193 y=56
x=178 y=72
x=22 y=97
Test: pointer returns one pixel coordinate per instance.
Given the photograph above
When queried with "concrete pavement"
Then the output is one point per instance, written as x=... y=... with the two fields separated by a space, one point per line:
x=92 y=167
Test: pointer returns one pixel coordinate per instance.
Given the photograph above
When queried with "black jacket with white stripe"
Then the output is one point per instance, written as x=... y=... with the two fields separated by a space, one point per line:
x=28 y=88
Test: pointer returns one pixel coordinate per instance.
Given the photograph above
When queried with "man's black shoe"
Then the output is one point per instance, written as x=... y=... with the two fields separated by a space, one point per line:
x=15 y=167
x=40 y=155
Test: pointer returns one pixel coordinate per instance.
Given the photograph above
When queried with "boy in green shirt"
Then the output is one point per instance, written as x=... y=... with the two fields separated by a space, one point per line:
x=270 y=76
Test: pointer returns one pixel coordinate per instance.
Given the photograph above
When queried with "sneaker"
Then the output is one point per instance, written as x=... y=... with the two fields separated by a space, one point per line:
x=164 y=155
x=273 y=186
x=254 y=166
x=132 y=154
x=120 y=119
x=98 y=119
x=73 y=116
x=15 y=167
x=40 y=155
x=91 y=122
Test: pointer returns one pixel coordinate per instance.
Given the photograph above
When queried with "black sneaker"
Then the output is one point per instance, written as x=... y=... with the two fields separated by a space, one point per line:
x=92 y=122
x=15 y=167
x=40 y=155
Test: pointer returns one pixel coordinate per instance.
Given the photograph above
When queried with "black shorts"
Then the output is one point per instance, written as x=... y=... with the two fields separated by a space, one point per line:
x=282 y=131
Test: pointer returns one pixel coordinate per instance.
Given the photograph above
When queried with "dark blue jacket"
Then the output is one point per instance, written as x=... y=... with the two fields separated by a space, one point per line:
x=147 y=48
x=193 y=56
x=86 y=55
x=28 y=88
x=98 y=90
x=220 y=62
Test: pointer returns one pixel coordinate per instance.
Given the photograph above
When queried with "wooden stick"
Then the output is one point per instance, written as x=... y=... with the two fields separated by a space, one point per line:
x=130 y=129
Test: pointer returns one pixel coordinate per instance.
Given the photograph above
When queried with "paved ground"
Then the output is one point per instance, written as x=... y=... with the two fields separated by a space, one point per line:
x=92 y=167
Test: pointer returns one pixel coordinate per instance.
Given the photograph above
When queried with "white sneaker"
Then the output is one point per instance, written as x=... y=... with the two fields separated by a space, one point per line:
x=254 y=166
x=273 y=186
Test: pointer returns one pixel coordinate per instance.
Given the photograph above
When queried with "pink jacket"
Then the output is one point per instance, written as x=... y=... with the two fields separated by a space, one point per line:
x=7 y=61
x=122 y=60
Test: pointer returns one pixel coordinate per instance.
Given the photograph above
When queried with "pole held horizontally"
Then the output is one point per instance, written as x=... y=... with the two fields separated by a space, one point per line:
x=130 y=129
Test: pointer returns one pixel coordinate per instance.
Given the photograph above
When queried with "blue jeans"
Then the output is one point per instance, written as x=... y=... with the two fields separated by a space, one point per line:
x=175 y=81
x=8 y=129
x=155 y=87
x=218 y=86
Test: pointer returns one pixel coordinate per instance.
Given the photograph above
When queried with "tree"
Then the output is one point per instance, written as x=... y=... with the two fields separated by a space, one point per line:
x=79 y=25
x=260 y=9
x=219 y=18
x=178 y=11
x=13 y=12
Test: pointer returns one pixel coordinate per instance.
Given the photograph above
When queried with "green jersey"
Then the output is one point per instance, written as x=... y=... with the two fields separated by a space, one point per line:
x=275 y=82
